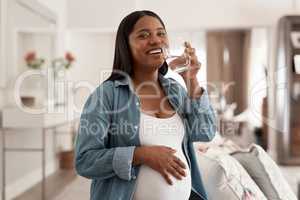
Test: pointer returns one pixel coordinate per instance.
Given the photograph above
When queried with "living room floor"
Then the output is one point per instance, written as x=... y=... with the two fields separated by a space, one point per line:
x=66 y=185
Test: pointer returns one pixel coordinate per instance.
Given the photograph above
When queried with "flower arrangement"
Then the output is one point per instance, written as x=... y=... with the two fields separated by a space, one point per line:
x=70 y=59
x=32 y=61
x=63 y=62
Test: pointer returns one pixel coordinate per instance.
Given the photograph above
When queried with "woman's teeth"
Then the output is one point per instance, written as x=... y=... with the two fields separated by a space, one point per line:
x=155 y=51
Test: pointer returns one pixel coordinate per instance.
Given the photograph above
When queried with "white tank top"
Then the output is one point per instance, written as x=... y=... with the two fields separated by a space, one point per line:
x=150 y=184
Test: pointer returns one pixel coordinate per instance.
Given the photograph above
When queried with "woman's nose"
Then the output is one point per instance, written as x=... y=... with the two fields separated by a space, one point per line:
x=155 y=40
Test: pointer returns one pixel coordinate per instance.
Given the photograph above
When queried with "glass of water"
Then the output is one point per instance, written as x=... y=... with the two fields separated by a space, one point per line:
x=178 y=63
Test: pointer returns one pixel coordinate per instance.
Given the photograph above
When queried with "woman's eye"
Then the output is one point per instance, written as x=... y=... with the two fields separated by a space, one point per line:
x=144 y=35
x=162 y=33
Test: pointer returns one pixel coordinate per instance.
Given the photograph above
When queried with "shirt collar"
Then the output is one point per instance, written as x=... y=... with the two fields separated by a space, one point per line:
x=127 y=81
x=123 y=81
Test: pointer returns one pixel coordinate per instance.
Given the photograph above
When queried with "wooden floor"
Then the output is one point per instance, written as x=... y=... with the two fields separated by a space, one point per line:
x=55 y=184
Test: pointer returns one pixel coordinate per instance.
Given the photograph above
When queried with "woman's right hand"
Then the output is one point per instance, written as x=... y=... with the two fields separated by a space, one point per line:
x=162 y=160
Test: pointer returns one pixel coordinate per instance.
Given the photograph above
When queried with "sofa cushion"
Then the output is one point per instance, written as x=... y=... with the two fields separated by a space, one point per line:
x=265 y=172
x=225 y=178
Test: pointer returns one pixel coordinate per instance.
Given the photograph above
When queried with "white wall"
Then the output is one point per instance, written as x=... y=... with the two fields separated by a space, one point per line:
x=57 y=6
x=97 y=14
x=94 y=58
x=189 y=14
x=213 y=13
x=60 y=8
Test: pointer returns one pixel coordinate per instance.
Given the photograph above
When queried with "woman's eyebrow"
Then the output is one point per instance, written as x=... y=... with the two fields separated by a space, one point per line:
x=148 y=30
x=161 y=29
x=143 y=30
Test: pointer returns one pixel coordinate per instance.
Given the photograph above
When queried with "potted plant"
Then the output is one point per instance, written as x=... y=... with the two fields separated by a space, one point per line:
x=66 y=157
x=32 y=61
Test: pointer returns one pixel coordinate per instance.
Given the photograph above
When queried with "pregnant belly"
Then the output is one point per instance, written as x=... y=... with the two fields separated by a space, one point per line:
x=152 y=186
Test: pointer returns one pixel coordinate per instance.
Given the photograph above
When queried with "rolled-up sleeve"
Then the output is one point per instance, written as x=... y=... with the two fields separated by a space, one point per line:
x=93 y=157
x=122 y=162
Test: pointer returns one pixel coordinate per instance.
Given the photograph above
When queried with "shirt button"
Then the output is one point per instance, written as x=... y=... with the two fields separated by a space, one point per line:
x=135 y=127
x=137 y=103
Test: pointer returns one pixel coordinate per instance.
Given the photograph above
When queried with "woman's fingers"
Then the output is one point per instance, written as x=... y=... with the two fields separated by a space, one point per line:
x=166 y=176
x=179 y=162
x=166 y=163
x=187 y=44
x=174 y=172
x=179 y=169
x=189 y=49
x=176 y=168
x=191 y=52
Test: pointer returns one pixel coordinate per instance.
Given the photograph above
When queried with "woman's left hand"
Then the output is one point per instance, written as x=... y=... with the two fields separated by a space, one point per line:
x=195 y=65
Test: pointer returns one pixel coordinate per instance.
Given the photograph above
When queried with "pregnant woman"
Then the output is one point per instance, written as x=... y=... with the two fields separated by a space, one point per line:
x=137 y=128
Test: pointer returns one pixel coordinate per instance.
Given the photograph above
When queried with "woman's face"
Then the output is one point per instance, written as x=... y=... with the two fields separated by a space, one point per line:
x=146 y=40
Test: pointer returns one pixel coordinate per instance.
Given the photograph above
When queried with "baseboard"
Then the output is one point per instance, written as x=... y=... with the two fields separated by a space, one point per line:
x=28 y=181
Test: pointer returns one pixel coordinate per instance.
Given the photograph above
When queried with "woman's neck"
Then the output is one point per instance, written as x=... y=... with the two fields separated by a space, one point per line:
x=139 y=77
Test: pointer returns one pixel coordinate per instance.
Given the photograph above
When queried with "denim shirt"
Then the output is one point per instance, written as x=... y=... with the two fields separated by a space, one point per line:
x=109 y=132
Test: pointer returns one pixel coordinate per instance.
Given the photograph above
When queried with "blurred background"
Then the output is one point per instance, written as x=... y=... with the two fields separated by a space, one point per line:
x=53 y=54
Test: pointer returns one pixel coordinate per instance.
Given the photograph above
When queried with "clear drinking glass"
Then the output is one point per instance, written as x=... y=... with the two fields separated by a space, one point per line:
x=178 y=63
